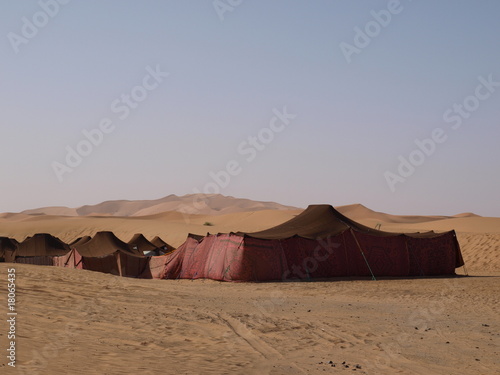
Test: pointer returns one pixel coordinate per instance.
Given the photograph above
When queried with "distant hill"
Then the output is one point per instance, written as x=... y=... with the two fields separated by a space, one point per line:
x=202 y=204
x=216 y=204
x=467 y=214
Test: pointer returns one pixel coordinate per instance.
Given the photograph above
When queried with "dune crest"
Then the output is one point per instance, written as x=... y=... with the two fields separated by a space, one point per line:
x=202 y=204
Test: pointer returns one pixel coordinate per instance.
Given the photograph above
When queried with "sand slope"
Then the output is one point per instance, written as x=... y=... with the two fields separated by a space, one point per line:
x=82 y=322
x=360 y=212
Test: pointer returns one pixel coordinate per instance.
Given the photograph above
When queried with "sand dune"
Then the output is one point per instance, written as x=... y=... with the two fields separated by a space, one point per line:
x=466 y=214
x=360 y=212
x=460 y=224
x=202 y=204
x=14 y=216
x=481 y=251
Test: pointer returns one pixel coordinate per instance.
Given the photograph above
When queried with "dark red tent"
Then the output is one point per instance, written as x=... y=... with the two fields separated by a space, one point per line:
x=107 y=253
x=159 y=243
x=79 y=241
x=40 y=249
x=318 y=243
x=141 y=244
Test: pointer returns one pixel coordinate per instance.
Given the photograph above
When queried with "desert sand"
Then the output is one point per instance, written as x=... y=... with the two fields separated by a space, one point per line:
x=83 y=322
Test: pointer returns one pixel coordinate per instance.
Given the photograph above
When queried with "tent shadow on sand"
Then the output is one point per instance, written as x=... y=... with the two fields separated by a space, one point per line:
x=369 y=278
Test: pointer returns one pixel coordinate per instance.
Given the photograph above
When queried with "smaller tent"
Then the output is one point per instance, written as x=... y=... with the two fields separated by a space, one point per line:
x=108 y=254
x=40 y=249
x=80 y=240
x=103 y=243
x=119 y=263
x=159 y=243
x=141 y=244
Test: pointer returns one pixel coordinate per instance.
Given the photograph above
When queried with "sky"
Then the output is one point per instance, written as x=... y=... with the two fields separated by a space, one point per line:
x=392 y=104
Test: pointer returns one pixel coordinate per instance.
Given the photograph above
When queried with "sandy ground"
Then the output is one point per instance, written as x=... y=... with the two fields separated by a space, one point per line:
x=82 y=322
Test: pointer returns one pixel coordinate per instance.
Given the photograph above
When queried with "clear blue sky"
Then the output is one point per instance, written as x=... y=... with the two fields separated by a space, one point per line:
x=353 y=120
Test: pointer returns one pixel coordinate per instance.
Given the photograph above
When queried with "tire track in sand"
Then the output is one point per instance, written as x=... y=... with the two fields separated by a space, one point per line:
x=257 y=344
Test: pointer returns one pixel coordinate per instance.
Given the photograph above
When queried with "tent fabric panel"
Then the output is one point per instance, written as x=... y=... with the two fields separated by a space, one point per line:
x=133 y=266
x=157 y=266
x=105 y=264
x=72 y=259
x=322 y=258
x=386 y=256
x=259 y=260
x=212 y=258
x=174 y=262
x=224 y=260
x=173 y=265
x=433 y=256
x=354 y=254
x=119 y=263
x=36 y=260
x=195 y=259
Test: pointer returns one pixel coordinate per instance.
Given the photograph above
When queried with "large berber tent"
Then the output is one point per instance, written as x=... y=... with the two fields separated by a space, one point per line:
x=319 y=243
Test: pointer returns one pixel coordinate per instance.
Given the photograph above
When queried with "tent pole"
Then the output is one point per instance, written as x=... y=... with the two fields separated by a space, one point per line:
x=362 y=253
x=72 y=254
x=119 y=263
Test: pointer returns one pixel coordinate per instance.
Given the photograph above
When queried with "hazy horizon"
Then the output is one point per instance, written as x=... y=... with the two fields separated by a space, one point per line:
x=391 y=104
